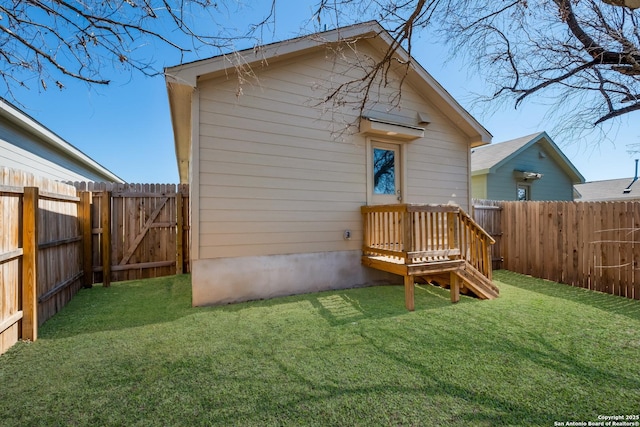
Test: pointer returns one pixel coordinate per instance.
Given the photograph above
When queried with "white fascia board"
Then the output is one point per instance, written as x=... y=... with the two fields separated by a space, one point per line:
x=481 y=172
x=189 y=74
x=562 y=159
x=180 y=105
x=32 y=126
x=451 y=108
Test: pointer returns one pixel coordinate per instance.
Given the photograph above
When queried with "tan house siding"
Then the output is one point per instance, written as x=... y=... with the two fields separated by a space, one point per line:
x=275 y=180
x=438 y=170
x=272 y=179
x=277 y=175
x=437 y=165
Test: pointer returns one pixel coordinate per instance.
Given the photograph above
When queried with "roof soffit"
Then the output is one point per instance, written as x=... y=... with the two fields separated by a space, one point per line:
x=371 y=32
x=268 y=54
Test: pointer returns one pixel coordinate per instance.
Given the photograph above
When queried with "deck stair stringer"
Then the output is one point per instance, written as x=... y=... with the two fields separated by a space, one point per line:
x=457 y=274
x=478 y=283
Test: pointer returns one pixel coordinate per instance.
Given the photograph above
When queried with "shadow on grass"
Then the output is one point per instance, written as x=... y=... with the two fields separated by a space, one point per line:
x=123 y=305
x=606 y=302
x=478 y=404
x=136 y=303
x=340 y=307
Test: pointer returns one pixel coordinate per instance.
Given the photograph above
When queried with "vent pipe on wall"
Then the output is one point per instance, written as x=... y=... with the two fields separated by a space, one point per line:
x=635 y=178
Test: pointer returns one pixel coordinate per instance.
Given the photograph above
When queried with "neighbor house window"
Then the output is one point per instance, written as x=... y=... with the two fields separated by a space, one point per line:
x=523 y=192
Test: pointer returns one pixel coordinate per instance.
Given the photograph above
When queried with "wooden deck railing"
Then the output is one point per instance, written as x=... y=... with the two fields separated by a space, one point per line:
x=412 y=234
x=475 y=244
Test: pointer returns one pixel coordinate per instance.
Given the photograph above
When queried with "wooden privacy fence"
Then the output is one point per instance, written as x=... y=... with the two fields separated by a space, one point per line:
x=593 y=245
x=488 y=214
x=41 y=243
x=138 y=231
x=56 y=238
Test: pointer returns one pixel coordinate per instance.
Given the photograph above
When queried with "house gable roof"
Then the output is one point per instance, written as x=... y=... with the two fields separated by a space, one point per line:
x=608 y=190
x=488 y=159
x=183 y=79
x=23 y=121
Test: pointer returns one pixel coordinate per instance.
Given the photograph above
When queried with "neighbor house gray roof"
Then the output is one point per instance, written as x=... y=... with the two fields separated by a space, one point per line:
x=608 y=190
x=488 y=158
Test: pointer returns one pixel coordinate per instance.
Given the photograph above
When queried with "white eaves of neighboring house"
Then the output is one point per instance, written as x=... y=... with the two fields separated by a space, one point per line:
x=27 y=145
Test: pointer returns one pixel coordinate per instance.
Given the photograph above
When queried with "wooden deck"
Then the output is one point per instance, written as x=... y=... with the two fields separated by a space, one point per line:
x=431 y=243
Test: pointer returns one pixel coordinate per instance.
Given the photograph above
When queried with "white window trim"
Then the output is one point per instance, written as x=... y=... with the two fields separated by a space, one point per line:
x=370 y=142
x=528 y=186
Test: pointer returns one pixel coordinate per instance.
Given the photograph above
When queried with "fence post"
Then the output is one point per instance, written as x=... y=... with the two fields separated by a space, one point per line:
x=179 y=232
x=29 y=327
x=84 y=214
x=105 y=216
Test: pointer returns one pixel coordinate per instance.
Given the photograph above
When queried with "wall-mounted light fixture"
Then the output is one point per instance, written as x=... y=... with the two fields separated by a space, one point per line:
x=527 y=176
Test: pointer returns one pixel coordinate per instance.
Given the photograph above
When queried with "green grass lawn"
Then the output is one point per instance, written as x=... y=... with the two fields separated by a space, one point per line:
x=137 y=354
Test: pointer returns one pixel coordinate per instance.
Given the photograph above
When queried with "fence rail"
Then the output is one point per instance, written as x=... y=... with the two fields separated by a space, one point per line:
x=57 y=238
x=593 y=245
x=138 y=230
x=40 y=245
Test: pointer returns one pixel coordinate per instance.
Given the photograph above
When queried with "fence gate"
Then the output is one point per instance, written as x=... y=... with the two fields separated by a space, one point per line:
x=139 y=231
x=488 y=214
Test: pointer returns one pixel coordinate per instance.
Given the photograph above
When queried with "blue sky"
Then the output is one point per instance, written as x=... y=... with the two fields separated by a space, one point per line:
x=126 y=126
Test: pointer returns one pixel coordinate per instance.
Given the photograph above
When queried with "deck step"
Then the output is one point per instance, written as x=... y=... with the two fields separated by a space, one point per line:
x=459 y=275
x=477 y=283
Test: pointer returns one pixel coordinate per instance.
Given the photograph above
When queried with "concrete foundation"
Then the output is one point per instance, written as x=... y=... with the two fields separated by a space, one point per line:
x=226 y=280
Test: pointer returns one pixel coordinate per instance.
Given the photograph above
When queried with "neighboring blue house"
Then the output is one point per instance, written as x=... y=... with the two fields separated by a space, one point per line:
x=27 y=145
x=527 y=168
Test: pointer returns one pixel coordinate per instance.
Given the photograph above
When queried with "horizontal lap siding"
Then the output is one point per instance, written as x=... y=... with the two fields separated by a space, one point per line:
x=438 y=164
x=273 y=180
x=555 y=184
x=276 y=175
x=21 y=150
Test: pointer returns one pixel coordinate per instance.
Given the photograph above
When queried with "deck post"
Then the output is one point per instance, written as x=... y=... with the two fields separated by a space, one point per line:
x=454 y=287
x=451 y=230
x=409 y=292
x=407 y=230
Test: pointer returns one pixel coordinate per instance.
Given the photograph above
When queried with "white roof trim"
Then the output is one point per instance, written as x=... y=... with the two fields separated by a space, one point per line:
x=188 y=75
x=24 y=121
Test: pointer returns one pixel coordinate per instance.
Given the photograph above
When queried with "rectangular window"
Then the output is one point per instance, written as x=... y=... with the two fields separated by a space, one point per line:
x=384 y=171
x=384 y=174
x=523 y=192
